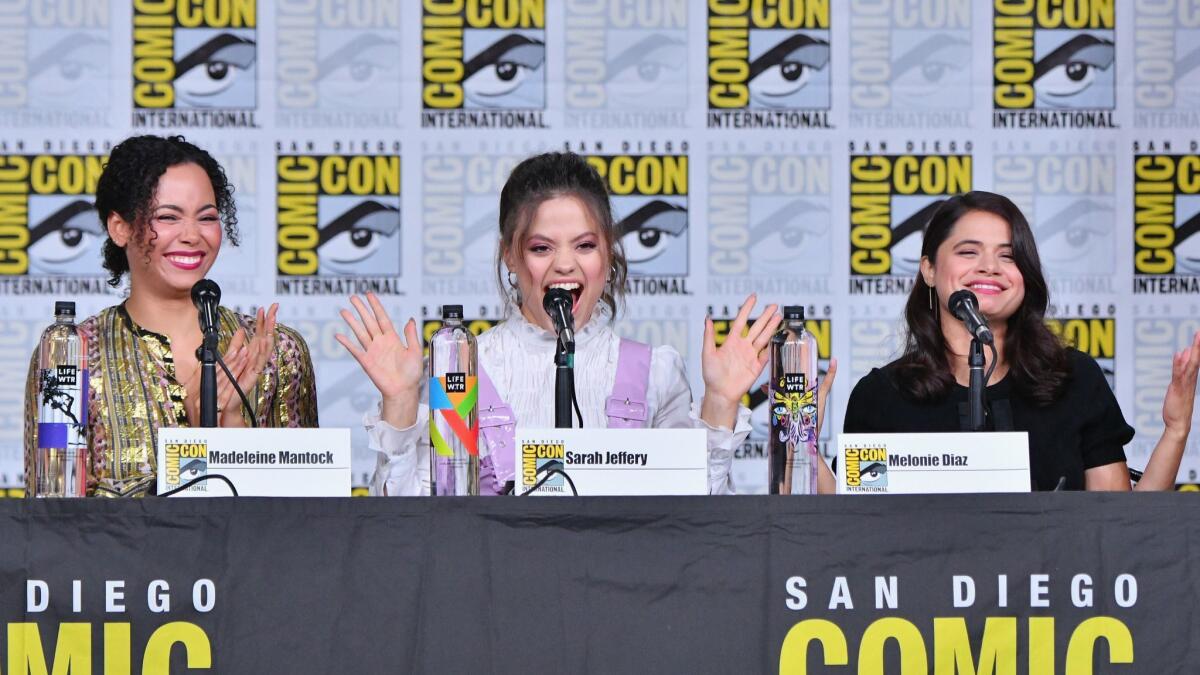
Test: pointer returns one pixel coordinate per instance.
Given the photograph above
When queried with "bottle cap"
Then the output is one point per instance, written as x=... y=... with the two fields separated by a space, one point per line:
x=64 y=307
x=452 y=311
x=793 y=313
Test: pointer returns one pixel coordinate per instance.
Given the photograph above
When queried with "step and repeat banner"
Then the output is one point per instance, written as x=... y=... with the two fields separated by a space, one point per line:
x=792 y=148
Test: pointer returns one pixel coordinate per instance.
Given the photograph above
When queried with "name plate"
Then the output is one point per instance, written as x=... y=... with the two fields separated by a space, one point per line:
x=933 y=463
x=612 y=461
x=259 y=462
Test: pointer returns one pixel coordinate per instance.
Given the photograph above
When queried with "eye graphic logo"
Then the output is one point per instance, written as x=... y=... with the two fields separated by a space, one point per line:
x=1166 y=73
x=480 y=57
x=650 y=204
x=1056 y=57
x=769 y=59
x=769 y=216
x=338 y=216
x=335 y=57
x=629 y=60
x=892 y=198
x=1166 y=217
x=55 y=64
x=1068 y=200
x=866 y=469
x=48 y=221
x=193 y=58
x=910 y=65
x=1096 y=337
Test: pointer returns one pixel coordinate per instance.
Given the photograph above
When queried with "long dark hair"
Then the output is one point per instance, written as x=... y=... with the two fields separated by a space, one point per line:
x=560 y=174
x=1037 y=359
x=130 y=180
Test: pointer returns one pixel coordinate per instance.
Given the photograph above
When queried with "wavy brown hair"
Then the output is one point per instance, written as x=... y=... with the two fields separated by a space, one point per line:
x=548 y=176
x=130 y=180
x=1037 y=360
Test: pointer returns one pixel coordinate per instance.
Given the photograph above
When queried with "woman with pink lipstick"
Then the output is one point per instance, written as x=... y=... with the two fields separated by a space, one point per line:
x=166 y=206
x=981 y=242
x=556 y=230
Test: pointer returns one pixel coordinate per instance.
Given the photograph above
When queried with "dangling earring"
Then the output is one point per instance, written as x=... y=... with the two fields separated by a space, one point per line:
x=930 y=298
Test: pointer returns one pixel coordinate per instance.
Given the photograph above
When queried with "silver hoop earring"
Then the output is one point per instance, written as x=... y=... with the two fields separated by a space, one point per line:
x=512 y=279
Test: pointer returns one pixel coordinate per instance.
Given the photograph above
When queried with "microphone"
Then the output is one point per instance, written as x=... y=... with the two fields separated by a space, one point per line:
x=557 y=303
x=206 y=295
x=965 y=307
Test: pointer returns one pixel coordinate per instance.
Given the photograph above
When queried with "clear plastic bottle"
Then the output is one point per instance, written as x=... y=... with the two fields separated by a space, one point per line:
x=453 y=407
x=792 y=395
x=60 y=460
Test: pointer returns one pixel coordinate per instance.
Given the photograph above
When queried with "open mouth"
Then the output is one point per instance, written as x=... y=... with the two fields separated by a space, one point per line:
x=985 y=288
x=187 y=261
x=574 y=288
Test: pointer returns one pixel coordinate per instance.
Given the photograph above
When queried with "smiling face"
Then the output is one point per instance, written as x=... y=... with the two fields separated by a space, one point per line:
x=978 y=256
x=561 y=247
x=183 y=238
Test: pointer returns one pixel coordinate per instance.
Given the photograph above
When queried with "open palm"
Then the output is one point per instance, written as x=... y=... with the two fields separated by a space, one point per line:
x=731 y=369
x=394 y=363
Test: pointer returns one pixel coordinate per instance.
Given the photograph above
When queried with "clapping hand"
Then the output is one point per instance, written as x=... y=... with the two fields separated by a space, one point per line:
x=245 y=359
x=395 y=364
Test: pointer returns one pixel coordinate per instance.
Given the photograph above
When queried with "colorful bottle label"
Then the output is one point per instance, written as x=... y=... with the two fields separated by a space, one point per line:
x=63 y=407
x=794 y=411
x=452 y=399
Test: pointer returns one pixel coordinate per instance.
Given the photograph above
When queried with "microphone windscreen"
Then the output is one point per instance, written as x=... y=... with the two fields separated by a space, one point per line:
x=206 y=290
x=556 y=296
x=958 y=299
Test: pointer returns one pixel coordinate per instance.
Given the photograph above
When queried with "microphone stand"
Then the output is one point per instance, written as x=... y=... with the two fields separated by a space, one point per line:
x=975 y=392
x=207 y=355
x=564 y=383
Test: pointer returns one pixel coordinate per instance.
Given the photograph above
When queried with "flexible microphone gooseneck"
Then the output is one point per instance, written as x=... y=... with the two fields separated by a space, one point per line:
x=206 y=295
x=964 y=305
x=558 y=302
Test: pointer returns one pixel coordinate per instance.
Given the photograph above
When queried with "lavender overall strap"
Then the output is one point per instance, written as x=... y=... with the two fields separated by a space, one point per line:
x=627 y=408
x=497 y=426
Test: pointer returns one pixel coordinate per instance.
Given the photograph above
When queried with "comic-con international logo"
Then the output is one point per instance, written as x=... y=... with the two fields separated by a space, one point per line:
x=761 y=407
x=770 y=223
x=626 y=64
x=50 y=235
x=892 y=198
x=768 y=64
x=650 y=204
x=1054 y=64
x=195 y=63
x=910 y=64
x=460 y=216
x=1166 y=65
x=338 y=223
x=1095 y=336
x=483 y=63
x=1166 y=218
x=186 y=462
x=540 y=459
x=866 y=469
x=337 y=63
x=1067 y=192
x=55 y=63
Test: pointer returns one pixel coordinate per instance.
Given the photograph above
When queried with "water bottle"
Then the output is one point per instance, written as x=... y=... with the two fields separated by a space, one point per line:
x=453 y=406
x=792 y=395
x=60 y=461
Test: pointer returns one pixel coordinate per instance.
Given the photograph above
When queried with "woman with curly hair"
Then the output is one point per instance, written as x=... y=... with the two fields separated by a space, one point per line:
x=981 y=242
x=166 y=206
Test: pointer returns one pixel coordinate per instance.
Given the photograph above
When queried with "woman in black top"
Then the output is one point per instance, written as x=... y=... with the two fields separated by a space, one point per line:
x=981 y=242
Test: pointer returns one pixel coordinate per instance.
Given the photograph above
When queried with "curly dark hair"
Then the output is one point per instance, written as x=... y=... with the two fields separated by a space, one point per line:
x=560 y=174
x=130 y=180
x=1037 y=359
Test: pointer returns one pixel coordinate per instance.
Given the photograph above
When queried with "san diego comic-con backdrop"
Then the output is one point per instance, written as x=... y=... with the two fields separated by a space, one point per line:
x=788 y=147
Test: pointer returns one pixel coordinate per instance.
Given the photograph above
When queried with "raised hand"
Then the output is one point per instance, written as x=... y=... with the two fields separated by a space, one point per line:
x=731 y=369
x=395 y=364
x=1181 y=392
